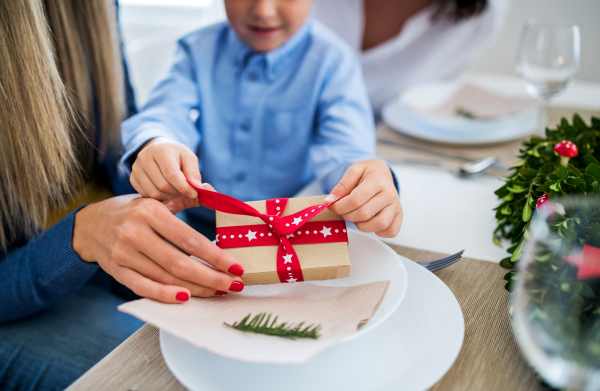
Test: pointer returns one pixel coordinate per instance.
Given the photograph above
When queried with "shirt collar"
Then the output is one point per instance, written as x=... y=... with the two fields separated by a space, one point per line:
x=275 y=61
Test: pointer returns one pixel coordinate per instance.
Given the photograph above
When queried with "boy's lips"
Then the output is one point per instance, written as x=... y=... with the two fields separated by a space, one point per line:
x=264 y=31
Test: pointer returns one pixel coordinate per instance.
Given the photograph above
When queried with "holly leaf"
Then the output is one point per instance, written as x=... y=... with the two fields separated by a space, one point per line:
x=590 y=159
x=527 y=211
x=563 y=174
x=594 y=170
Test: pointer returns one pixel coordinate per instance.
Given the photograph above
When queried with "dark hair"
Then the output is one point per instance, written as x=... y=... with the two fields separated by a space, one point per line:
x=459 y=9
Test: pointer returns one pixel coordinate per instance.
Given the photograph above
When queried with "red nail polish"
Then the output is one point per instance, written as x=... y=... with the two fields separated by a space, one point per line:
x=182 y=296
x=236 y=286
x=220 y=293
x=236 y=270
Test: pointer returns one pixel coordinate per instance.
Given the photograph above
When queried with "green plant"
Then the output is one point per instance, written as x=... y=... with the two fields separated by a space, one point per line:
x=540 y=172
x=262 y=324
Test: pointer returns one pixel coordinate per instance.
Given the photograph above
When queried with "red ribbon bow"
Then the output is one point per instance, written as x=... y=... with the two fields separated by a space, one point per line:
x=283 y=231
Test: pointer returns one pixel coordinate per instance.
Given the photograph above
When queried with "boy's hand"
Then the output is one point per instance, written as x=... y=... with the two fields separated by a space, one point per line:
x=372 y=201
x=161 y=169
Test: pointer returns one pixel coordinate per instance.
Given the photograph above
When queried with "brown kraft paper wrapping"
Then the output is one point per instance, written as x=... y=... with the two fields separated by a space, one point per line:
x=324 y=261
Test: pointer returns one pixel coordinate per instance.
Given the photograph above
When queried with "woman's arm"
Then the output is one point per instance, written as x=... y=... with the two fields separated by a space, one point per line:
x=42 y=272
x=126 y=237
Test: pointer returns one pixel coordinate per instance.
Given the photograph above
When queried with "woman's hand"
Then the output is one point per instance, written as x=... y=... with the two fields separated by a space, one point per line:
x=126 y=237
x=372 y=201
x=161 y=169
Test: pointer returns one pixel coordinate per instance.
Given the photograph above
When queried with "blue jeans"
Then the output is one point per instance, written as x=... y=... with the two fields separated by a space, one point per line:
x=50 y=350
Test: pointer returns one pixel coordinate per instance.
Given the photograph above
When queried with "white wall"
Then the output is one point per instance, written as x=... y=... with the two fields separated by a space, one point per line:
x=500 y=57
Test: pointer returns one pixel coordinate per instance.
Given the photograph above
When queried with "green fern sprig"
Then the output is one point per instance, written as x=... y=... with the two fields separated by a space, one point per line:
x=262 y=324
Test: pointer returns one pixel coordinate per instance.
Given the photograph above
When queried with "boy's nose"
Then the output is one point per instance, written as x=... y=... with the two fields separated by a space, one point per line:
x=265 y=9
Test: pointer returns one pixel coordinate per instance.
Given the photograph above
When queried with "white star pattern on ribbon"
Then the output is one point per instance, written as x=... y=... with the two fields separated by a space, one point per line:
x=326 y=231
x=297 y=220
x=287 y=258
x=291 y=279
x=250 y=235
x=217 y=238
x=290 y=236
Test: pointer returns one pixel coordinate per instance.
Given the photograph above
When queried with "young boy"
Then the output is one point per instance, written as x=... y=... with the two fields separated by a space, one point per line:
x=279 y=101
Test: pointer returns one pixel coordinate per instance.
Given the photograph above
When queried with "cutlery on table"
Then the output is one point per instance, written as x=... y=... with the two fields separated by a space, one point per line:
x=465 y=170
x=468 y=168
x=421 y=148
x=443 y=262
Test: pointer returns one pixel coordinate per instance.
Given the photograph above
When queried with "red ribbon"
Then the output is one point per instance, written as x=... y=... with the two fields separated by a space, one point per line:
x=282 y=231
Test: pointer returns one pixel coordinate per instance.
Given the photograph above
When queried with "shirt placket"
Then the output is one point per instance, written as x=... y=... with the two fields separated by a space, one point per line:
x=252 y=85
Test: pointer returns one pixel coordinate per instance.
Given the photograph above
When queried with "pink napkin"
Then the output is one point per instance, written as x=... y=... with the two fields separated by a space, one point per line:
x=339 y=310
x=484 y=104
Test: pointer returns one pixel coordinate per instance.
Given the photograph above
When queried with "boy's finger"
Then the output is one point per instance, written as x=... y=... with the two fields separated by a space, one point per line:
x=361 y=195
x=136 y=185
x=156 y=176
x=367 y=211
x=180 y=202
x=189 y=166
x=172 y=171
x=393 y=229
x=209 y=187
x=348 y=182
x=150 y=190
x=380 y=222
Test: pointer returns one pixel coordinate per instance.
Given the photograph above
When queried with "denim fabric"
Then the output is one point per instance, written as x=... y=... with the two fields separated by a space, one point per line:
x=50 y=350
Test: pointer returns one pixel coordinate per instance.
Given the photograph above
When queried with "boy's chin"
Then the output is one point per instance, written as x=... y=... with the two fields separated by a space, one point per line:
x=263 y=45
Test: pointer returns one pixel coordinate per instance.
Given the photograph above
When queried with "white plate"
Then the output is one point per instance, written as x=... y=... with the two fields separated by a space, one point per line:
x=398 y=114
x=410 y=352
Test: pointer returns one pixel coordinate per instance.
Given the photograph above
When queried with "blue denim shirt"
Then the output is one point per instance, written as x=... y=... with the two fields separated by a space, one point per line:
x=267 y=123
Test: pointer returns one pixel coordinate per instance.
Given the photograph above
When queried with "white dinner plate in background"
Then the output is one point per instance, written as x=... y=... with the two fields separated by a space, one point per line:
x=400 y=115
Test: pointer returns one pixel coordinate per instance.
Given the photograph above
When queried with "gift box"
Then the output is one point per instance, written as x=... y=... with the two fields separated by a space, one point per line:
x=282 y=240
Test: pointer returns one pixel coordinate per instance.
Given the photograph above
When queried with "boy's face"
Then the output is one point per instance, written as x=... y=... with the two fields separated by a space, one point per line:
x=265 y=25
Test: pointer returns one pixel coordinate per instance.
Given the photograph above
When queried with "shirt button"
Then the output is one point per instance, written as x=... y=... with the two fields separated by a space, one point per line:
x=253 y=76
x=240 y=176
x=245 y=125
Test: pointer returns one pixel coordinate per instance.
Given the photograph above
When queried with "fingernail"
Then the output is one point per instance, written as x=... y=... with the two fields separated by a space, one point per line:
x=330 y=198
x=198 y=184
x=236 y=270
x=236 y=286
x=182 y=296
x=220 y=293
x=192 y=196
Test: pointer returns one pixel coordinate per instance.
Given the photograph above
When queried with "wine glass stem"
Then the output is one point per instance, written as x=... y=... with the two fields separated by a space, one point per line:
x=542 y=116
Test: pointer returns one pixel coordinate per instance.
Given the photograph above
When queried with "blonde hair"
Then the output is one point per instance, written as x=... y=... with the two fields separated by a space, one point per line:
x=85 y=32
x=47 y=98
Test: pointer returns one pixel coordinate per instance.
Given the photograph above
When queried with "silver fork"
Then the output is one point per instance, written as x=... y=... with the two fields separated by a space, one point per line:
x=442 y=263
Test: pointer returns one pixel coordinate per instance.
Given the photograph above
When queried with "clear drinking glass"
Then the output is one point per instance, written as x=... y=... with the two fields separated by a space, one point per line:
x=548 y=58
x=556 y=306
